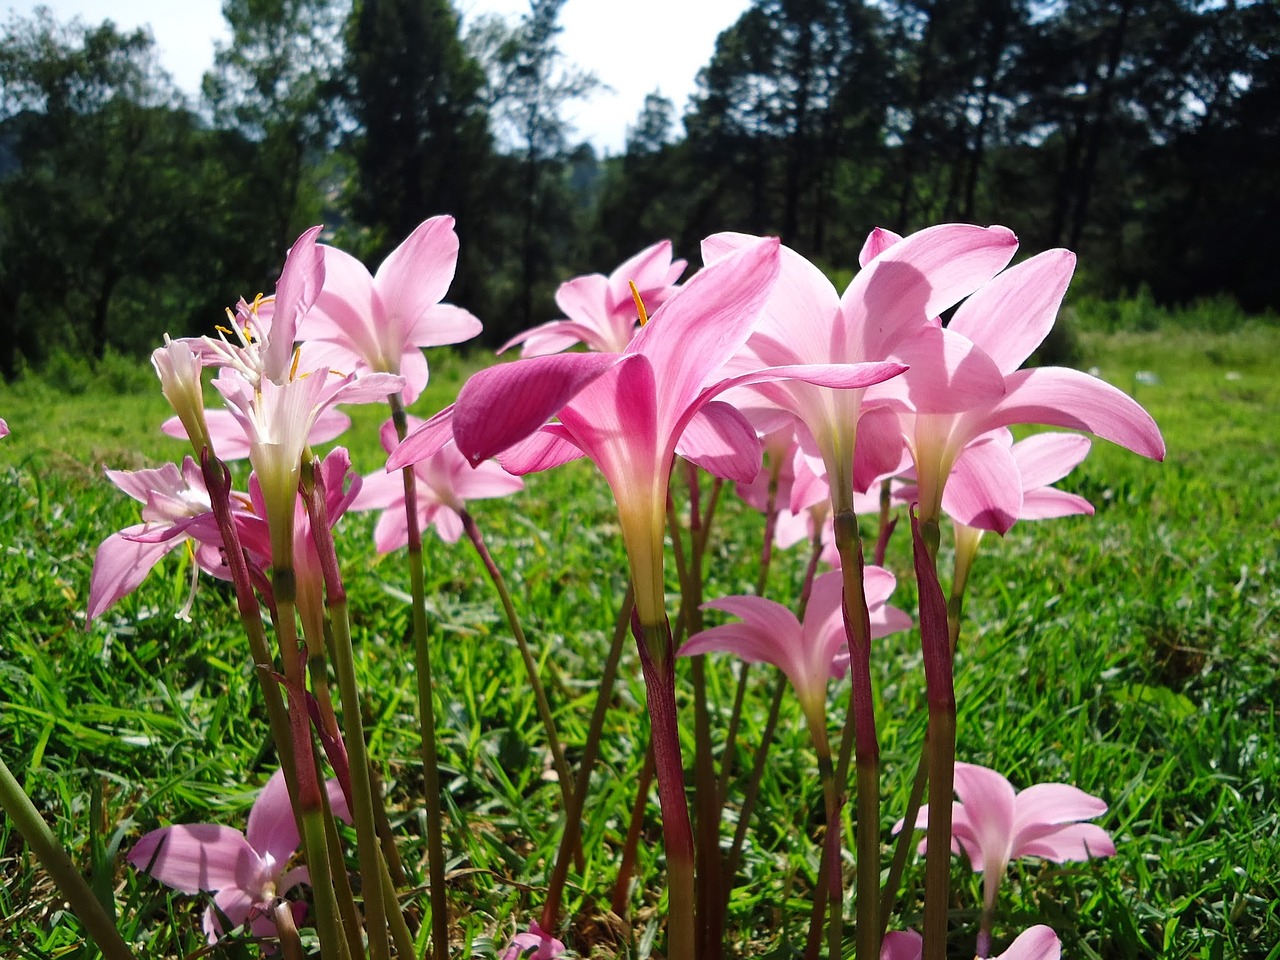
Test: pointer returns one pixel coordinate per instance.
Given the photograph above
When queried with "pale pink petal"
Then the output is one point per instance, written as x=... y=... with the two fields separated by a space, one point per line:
x=920 y=277
x=1056 y=803
x=1061 y=397
x=1074 y=841
x=902 y=945
x=447 y=522
x=551 y=337
x=120 y=565
x=1047 y=503
x=391 y=532
x=141 y=484
x=881 y=449
x=226 y=433
x=650 y=270
x=878 y=241
x=504 y=404
x=272 y=830
x=699 y=328
x=300 y=283
x=984 y=489
x=487 y=480
x=721 y=441
x=1034 y=943
x=988 y=800
x=235 y=904
x=413 y=367
x=346 y=311
x=948 y=374
x=4 y=428
x=416 y=275
x=1048 y=457
x=1010 y=316
x=201 y=856
x=443 y=324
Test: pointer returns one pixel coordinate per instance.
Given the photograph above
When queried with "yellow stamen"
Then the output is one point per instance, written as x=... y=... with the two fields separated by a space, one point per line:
x=226 y=331
x=635 y=295
x=293 y=369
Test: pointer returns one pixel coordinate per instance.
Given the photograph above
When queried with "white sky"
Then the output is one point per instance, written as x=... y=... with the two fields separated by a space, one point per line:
x=633 y=46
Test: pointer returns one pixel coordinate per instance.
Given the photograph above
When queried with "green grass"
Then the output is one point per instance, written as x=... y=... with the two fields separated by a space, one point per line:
x=1134 y=654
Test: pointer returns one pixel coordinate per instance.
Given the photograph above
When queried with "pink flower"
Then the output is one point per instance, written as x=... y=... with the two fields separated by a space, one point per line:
x=601 y=310
x=175 y=509
x=995 y=825
x=445 y=481
x=806 y=322
x=246 y=872
x=4 y=428
x=537 y=944
x=632 y=412
x=1034 y=943
x=809 y=653
x=932 y=419
x=379 y=324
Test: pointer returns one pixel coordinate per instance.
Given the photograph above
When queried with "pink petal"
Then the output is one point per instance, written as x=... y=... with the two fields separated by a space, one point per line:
x=272 y=830
x=721 y=441
x=948 y=374
x=416 y=275
x=235 y=904
x=1047 y=503
x=486 y=480
x=1056 y=803
x=984 y=489
x=1048 y=457
x=1061 y=397
x=120 y=565
x=920 y=277
x=550 y=337
x=550 y=447
x=391 y=532
x=1075 y=841
x=878 y=241
x=504 y=404
x=424 y=440
x=297 y=289
x=347 y=310
x=443 y=324
x=1010 y=316
x=902 y=945
x=4 y=428
x=1034 y=943
x=201 y=856
x=988 y=801
x=699 y=328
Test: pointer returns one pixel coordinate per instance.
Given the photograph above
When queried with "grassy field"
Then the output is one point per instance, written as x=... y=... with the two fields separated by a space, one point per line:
x=1134 y=654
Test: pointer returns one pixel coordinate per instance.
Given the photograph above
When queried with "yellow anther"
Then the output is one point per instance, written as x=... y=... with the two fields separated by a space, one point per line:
x=640 y=311
x=293 y=369
x=225 y=331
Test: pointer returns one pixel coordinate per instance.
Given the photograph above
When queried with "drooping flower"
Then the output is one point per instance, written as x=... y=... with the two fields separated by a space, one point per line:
x=991 y=335
x=809 y=653
x=379 y=324
x=246 y=872
x=536 y=944
x=601 y=310
x=446 y=480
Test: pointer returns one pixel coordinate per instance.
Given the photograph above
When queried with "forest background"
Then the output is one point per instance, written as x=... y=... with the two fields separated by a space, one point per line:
x=1144 y=134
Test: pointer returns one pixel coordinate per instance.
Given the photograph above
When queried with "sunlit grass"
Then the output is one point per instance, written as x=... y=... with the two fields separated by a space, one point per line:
x=1135 y=654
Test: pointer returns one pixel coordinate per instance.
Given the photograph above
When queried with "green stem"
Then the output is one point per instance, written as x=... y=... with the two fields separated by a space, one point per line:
x=55 y=859
x=426 y=706
x=906 y=839
x=333 y=943
x=860 y=731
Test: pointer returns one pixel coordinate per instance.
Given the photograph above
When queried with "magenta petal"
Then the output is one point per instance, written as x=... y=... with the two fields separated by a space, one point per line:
x=1010 y=316
x=902 y=945
x=1034 y=943
x=721 y=441
x=504 y=404
x=423 y=441
x=1061 y=397
x=416 y=275
x=201 y=856
x=546 y=449
x=984 y=489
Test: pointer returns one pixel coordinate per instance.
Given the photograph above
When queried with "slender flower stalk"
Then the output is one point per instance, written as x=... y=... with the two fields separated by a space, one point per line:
x=55 y=859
